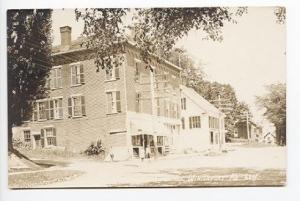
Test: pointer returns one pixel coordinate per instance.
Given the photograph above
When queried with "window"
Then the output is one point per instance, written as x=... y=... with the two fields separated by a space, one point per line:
x=34 y=112
x=56 y=78
x=137 y=70
x=47 y=109
x=56 y=108
x=182 y=123
x=27 y=137
x=136 y=140
x=183 y=103
x=158 y=107
x=195 y=122
x=113 y=73
x=113 y=102
x=48 y=137
x=166 y=106
x=138 y=102
x=76 y=106
x=213 y=122
x=77 y=75
x=160 y=140
x=42 y=110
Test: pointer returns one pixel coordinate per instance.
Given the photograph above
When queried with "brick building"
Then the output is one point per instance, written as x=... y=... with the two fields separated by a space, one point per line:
x=128 y=108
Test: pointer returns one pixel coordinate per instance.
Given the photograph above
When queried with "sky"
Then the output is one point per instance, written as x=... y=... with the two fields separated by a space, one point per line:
x=251 y=55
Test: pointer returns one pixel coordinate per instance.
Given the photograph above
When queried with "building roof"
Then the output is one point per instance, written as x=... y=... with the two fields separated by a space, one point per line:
x=200 y=101
x=73 y=50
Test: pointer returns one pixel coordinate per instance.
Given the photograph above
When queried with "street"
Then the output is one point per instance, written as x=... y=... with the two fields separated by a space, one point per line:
x=240 y=166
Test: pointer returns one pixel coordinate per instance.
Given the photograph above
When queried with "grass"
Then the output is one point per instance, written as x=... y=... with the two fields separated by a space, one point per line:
x=49 y=154
x=31 y=180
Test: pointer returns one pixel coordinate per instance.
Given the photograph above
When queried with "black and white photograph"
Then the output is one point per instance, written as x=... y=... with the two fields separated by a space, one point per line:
x=146 y=97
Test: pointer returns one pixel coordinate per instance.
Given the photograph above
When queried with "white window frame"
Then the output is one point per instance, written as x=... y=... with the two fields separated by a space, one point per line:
x=49 y=136
x=113 y=76
x=138 y=102
x=195 y=122
x=78 y=74
x=57 y=108
x=73 y=105
x=55 y=79
x=27 y=140
x=112 y=106
x=137 y=66
x=38 y=109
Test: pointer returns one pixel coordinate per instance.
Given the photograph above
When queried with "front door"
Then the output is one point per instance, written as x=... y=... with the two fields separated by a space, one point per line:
x=211 y=137
x=37 y=141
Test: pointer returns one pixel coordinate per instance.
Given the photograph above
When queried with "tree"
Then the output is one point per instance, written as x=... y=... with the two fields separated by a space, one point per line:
x=29 y=62
x=280 y=14
x=156 y=30
x=274 y=103
x=191 y=74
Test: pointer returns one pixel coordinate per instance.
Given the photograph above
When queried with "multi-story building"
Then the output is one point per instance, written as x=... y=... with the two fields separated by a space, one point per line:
x=202 y=124
x=128 y=108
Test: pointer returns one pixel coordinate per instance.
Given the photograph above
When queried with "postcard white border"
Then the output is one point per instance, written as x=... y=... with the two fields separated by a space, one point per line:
x=290 y=192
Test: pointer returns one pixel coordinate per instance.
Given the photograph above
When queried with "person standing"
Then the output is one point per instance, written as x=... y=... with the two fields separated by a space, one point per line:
x=142 y=154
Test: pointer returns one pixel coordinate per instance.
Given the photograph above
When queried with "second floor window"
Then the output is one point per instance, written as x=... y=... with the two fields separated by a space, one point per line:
x=41 y=106
x=56 y=78
x=47 y=109
x=77 y=74
x=76 y=106
x=113 y=102
x=56 y=108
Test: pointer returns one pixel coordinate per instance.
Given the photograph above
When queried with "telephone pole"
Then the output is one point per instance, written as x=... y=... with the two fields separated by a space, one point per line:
x=247 y=124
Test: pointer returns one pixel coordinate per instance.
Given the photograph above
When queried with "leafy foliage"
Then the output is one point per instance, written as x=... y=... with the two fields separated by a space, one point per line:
x=29 y=61
x=191 y=74
x=274 y=103
x=280 y=14
x=104 y=34
x=158 y=29
x=155 y=30
x=95 y=149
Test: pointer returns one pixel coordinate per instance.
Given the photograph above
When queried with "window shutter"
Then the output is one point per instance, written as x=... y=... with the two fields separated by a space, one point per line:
x=118 y=101
x=51 y=109
x=70 y=107
x=73 y=75
x=60 y=108
x=83 y=106
x=59 y=79
x=137 y=102
x=81 y=74
x=117 y=72
x=47 y=109
x=190 y=121
x=42 y=138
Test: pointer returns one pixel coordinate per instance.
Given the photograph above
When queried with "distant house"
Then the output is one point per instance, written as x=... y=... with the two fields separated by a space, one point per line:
x=202 y=124
x=269 y=138
x=253 y=134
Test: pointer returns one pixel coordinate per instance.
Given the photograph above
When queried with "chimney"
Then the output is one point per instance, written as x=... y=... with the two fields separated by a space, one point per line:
x=65 y=35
